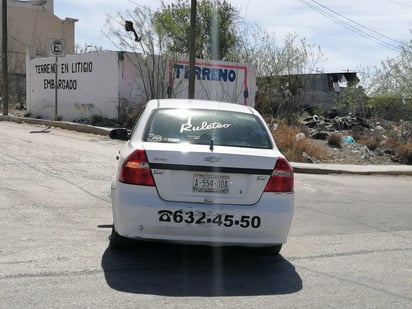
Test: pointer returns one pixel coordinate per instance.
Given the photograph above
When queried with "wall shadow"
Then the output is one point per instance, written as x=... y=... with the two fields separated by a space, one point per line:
x=180 y=270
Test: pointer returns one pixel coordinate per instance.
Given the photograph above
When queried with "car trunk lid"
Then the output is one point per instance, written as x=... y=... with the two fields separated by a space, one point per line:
x=229 y=175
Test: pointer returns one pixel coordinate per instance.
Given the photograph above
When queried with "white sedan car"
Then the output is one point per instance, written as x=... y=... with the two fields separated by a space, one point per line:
x=201 y=172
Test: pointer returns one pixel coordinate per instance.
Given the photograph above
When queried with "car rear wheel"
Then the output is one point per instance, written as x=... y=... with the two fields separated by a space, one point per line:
x=117 y=241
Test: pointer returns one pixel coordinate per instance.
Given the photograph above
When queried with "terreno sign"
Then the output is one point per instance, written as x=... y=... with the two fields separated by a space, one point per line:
x=215 y=80
x=206 y=73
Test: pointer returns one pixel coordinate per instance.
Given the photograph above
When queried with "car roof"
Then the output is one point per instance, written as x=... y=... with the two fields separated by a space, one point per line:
x=199 y=104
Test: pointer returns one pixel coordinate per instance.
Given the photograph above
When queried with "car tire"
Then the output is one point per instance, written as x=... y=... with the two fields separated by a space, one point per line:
x=272 y=250
x=117 y=242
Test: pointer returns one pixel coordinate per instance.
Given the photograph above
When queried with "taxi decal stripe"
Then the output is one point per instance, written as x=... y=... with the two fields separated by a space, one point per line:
x=213 y=169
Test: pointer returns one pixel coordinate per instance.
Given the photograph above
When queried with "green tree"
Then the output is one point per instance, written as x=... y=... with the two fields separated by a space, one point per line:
x=281 y=65
x=357 y=101
x=216 y=34
x=389 y=85
x=394 y=76
x=392 y=107
x=281 y=69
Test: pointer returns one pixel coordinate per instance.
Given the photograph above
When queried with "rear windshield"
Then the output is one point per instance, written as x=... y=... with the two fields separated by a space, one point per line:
x=205 y=127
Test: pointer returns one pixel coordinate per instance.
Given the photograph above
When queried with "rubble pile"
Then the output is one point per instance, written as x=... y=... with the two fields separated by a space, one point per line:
x=320 y=127
x=351 y=128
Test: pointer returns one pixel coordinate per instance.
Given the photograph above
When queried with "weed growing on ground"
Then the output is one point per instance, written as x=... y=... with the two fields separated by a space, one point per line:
x=297 y=149
x=335 y=140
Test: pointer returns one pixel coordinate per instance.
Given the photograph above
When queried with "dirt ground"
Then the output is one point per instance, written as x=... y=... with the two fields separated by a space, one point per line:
x=358 y=154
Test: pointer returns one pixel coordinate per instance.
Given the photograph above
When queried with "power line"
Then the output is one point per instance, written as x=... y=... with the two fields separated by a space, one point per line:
x=247 y=8
x=401 y=3
x=352 y=21
x=352 y=25
x=333 y=16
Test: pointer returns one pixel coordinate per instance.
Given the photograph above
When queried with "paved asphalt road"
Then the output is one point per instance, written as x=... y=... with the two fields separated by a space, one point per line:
x=350 y=244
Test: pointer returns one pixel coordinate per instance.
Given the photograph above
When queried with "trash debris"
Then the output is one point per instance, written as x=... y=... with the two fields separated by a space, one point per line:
x=300 y=136
x=349 y=139
x=320 y=135
x=373 y=141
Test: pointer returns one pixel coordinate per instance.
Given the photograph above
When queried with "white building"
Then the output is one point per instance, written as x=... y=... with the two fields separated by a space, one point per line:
x=110 y=84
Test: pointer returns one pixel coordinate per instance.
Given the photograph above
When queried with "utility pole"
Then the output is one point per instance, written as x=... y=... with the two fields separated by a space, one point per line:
x=192 y=50
x=4 y=37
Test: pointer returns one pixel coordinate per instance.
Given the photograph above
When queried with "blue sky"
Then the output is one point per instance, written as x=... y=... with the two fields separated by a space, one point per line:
x=351 y=33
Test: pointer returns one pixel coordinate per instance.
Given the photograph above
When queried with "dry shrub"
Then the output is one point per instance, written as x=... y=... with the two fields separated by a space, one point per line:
x=371 y=141
x=335 y=140
x=297 y=150
x=391 y=143
x=404 y=152
x=401 y=151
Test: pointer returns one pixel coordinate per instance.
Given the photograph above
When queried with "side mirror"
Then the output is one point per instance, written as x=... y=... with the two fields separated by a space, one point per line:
x=121 y=134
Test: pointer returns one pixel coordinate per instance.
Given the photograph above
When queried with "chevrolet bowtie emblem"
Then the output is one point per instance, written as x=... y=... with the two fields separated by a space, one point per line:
x=212 y=159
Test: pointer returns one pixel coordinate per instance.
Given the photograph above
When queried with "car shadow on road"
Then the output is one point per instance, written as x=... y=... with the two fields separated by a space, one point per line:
x=180 y=270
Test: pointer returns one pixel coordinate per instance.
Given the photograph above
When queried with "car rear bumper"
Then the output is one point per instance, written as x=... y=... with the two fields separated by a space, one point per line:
x=139 y=213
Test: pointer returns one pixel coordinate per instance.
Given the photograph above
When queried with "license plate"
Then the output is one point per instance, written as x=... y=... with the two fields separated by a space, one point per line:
x=211 y=183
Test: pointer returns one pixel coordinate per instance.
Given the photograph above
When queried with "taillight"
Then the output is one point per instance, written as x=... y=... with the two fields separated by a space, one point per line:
x=281 y=179
x=136 y=170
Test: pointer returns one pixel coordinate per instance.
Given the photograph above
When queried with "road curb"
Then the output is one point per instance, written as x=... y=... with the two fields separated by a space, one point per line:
x=59 y=124
x=384 y=170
